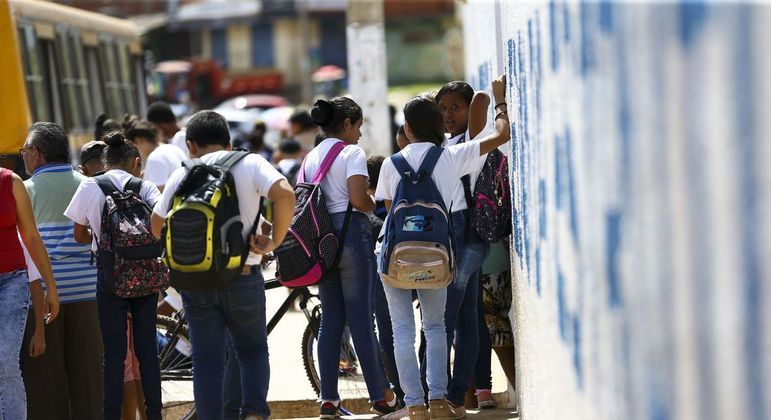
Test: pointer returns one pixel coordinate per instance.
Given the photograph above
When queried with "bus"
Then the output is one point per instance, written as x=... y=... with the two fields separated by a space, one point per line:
x=64 y=65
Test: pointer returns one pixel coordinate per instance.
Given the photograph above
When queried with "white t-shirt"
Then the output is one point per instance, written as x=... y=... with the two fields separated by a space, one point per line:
x=351 y=161
x=86 y=205
x=478 y=164
x=162 y=162
x=180 y=140
x=455 y=162
x=253 y=176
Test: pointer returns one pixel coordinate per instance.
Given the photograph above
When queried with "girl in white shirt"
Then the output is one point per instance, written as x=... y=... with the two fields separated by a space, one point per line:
x=424 y=127
x=346 y=291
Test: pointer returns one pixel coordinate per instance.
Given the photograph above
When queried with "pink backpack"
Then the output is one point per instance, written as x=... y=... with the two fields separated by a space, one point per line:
x=311 y=246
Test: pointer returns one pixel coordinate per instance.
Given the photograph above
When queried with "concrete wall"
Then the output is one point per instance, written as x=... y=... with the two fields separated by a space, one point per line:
x=642 y=188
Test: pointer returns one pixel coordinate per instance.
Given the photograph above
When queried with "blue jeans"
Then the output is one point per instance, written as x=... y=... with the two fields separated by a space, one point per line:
x=385 y=334
x=432 y=304
x=461 y=315
x=14 y=303
x=346 y=295
x=237 y=311
x=112 y=322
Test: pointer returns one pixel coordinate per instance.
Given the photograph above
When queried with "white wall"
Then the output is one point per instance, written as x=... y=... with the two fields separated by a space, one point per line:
x=642 y=182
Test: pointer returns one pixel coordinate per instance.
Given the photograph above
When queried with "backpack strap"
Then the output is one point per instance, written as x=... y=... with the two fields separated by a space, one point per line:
x=404 y=168
x=231 y=158
x=106 y=185
x=429 y=161
x=134 y=184
x=329 y=159
x=189 y=163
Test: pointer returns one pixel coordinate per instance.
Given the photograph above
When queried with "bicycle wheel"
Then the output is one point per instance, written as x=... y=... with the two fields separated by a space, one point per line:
x=350 y=379
x=174 y=356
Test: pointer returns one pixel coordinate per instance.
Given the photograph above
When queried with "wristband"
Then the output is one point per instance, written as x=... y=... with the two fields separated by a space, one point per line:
x=501 y=113
x=499 y=104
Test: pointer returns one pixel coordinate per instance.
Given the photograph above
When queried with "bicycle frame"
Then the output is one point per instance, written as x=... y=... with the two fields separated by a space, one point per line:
x=302 y=293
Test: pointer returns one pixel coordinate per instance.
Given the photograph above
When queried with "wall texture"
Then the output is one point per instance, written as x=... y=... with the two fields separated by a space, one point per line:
x=641 y=177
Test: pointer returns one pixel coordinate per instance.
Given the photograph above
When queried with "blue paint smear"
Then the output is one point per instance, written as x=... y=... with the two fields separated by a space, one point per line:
x=624 y=119
x=562 y=311
x=524 y=169
x=538 y=76
x=558 y=172
x=577 y=364
x=613 y=246
x=746 y=117
x=571 y=176
x=587 y=44
x=657 y=407
x=606 y=16
x=553 y=35
x=538 y=273
x=566 y=22
x=693 y=15
x=542 y=208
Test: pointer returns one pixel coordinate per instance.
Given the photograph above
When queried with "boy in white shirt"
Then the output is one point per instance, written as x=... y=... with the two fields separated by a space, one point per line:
x=238 y=311
x=160 y=159
x=425 y=129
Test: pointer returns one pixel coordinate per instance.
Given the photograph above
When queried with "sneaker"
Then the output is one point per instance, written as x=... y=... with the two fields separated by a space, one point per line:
x=329 y=410
x=382 y=408
x=415 y=412
x=443 y=410
x=485 y=399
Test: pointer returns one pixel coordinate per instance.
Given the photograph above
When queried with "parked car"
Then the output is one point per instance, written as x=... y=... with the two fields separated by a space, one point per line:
x=248 y=102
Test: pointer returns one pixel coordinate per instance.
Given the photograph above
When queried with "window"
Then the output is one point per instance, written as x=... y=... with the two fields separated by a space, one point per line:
x=115 y=104
x=262 y=45
x=95 y=81
x=126 y=79
x=34 y=74
x=219 y=47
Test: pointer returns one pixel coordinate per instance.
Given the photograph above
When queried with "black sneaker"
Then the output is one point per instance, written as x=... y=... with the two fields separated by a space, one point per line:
x=329 y=411
x=382 y=408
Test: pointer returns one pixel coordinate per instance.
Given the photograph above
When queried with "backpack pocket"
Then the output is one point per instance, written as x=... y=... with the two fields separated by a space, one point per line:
x=419 y=265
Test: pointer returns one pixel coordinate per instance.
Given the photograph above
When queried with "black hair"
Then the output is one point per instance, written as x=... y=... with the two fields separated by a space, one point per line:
x=104 y=125
x=160 y=112
x=51 y=139
x=119 y=150
x=374 y=163
x=134 y=128
x=302 y=118
x=289 y=146
x=330 y=115
x=460 y=87
x=425 y=119
x=207 y=128
x=400 y=131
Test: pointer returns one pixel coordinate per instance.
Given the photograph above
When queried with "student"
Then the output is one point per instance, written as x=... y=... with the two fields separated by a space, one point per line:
x=401 y=139
x=302 y=128
x=17 y=219
x=162 y=116
x=92 y=158
x=160 y=159
x=104 y=125
x=67 y=379
x=465 y=115
x=346 y=291
x=288 y=159
x=238 y=311
x=424 y=128
x=85 y=210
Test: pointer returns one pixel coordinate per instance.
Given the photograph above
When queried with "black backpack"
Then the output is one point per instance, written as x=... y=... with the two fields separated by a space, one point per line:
x=203 y=244
x=491 y=210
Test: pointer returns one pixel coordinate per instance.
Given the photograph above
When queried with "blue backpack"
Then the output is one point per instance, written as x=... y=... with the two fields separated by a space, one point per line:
x=417 y=252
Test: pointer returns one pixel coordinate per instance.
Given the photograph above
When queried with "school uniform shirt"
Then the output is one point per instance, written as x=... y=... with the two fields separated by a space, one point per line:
x=180 y=140
x=253 y=177
x=351 y=161
x=455 y=161
x=162 y=162
x=86 y=205
x=478 y=163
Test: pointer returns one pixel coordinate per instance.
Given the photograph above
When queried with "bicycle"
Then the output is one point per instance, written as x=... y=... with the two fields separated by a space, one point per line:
x=175 y=351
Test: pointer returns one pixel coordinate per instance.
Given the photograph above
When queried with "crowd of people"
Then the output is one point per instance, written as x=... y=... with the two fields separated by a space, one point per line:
x=87 y=347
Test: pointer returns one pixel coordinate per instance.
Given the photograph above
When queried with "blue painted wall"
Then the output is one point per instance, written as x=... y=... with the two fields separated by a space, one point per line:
x=641 y=179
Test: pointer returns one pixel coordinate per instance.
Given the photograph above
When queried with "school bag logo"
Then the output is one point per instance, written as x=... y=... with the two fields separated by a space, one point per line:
x=204 y=247
x=128 y=255
x=417 y=251
x=310 y=247
x=491 y=213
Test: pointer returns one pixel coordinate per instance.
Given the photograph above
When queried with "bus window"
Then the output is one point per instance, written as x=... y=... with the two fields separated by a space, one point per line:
x=81 y=80
x=40 y=106
x=52 y=74
x=66 y=57
x=111 y=82
x=95 y=81
x=126 y=88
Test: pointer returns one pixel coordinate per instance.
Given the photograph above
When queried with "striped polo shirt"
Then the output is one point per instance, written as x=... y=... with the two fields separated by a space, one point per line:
x=51 y=188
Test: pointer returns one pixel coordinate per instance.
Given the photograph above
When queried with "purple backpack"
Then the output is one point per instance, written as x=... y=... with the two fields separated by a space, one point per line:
x=311 y=246
x=491 y=213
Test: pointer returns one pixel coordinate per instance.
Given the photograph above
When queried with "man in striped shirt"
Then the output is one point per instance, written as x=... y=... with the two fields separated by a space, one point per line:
x=66 y=382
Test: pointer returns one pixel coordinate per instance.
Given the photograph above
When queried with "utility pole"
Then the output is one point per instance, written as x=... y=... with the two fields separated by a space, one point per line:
x=367 y=73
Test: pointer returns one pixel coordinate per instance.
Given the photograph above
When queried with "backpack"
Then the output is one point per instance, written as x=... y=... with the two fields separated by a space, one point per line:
x=204 y=247
x=417 y=251
x=310 y=247
x=128 y=255
x=291 y=174
x=491 y=210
